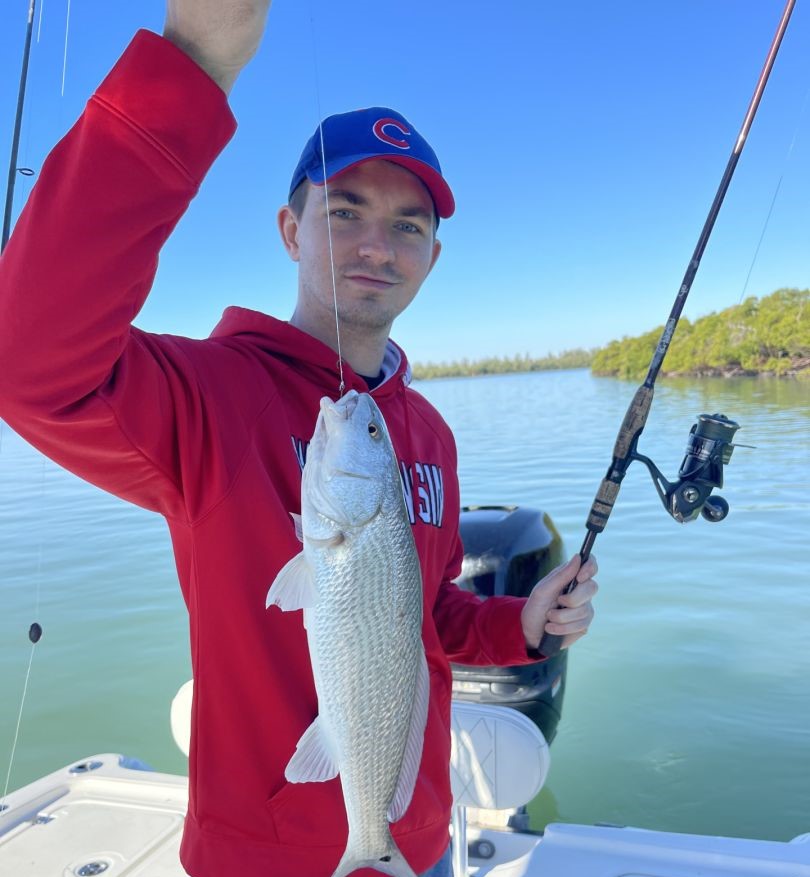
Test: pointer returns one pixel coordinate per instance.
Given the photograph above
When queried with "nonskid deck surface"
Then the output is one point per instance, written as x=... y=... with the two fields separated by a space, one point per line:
x=95 y=817
x=100 y=816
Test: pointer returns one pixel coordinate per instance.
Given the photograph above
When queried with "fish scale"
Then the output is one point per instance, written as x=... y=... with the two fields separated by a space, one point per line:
x=354 y=702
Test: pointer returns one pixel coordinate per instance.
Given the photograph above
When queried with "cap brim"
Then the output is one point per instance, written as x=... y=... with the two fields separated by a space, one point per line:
x=439 y=190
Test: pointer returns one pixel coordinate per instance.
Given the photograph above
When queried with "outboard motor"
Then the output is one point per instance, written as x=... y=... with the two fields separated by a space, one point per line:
x=507 y=550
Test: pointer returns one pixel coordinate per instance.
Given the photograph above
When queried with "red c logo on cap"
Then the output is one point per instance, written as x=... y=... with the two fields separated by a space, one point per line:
x=379 y=132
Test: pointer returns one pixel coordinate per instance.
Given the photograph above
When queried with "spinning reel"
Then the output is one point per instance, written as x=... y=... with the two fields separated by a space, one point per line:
x=708 y=449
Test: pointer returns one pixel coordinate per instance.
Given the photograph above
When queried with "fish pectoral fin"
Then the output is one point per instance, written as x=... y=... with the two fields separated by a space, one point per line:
x=299 y=527
x=294 y=587
x=329 y=542
x=312 y=761
x=413 y=747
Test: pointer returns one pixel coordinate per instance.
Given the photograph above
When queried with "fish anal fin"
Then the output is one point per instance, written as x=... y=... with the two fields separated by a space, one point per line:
x=413 y=747
x=294 y=586
x=312 y=761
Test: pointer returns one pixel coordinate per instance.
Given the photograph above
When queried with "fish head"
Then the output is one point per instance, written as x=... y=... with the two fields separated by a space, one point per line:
x=349 y=460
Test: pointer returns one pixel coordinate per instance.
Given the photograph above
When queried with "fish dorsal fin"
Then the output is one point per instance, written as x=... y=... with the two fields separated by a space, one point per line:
x=294 y=587
x=299 y=527
x=413 y=747
x=312 y=761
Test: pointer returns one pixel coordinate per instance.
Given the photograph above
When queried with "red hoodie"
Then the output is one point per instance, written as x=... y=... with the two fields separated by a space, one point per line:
x=211 y=434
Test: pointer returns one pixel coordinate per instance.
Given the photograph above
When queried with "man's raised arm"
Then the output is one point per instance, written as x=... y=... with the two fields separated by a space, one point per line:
x=76 y=379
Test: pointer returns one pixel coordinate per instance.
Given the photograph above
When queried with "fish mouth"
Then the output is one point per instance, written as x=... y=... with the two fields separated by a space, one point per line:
x=343 y=409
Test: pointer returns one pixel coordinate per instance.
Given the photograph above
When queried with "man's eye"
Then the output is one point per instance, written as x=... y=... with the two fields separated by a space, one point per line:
x=409 y=227
x=342 y=213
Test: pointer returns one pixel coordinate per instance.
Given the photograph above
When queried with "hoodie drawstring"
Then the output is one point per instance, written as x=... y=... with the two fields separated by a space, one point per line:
x=403 y=383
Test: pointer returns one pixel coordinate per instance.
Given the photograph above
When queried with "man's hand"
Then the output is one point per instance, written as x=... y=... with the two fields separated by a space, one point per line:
x=219 y=35
x=576 y=613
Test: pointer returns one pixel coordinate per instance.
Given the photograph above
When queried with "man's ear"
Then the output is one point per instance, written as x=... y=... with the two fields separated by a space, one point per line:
x=288 y=229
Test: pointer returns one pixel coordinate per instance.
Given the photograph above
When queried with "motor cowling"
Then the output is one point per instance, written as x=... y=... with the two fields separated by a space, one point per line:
x=507 y=550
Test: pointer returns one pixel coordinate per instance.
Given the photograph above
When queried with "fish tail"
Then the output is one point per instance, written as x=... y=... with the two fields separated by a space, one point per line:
x=392 y=862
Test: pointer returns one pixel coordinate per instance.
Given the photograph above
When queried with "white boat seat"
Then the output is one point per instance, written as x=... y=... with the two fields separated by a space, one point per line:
x=499 y=760
x=180 y=716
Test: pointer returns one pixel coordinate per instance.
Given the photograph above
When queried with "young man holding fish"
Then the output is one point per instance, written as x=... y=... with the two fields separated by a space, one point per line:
x=213 y=435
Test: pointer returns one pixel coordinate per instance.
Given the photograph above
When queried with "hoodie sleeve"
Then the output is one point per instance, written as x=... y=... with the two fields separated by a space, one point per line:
x=78 y=381
x=477 y=631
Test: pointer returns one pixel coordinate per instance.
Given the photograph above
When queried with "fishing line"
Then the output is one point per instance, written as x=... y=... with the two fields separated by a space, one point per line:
x=775 y=194
x=39 y=23
x=342 y=385
x=35 y=629
x=64 y=61
x=34 y=635
x=17 y=730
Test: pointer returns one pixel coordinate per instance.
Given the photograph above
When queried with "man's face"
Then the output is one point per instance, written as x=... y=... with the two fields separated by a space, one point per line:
x=383 y=245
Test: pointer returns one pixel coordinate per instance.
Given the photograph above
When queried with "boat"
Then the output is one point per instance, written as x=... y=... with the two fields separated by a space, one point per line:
x=111 y=814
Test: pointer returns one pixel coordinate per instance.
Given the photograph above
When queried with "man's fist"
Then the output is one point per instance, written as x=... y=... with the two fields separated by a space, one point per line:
x=219 y=35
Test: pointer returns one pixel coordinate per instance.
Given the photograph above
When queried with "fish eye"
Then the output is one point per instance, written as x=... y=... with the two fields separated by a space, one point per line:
x=373 y=430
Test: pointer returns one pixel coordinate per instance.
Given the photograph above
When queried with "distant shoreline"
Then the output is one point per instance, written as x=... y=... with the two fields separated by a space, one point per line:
x=801 y=372
x=767 y=337
x=500 y=365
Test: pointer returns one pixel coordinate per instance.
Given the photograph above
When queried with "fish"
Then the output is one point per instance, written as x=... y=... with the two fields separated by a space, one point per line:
x=358 y=581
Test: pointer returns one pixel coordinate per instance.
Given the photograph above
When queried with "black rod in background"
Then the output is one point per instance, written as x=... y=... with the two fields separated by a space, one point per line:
x=15 y=141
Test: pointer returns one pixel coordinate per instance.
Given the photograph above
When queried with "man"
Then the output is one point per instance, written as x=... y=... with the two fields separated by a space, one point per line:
x=212 y=434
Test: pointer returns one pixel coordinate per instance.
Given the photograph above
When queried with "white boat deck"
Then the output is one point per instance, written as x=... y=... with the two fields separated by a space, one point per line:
x=107 y=815
x=106 y=820
x=121 y=822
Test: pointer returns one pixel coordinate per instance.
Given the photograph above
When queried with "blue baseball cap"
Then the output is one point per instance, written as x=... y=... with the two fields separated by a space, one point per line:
x=362 y=135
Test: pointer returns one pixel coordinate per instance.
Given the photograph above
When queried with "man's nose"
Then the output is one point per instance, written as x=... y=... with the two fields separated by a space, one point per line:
x=376 y=245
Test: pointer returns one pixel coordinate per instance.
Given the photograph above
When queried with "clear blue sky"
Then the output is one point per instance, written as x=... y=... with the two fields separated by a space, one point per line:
x=584 y=143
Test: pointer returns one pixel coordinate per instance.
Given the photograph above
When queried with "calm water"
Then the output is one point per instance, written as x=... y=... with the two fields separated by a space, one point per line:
x=688 y=705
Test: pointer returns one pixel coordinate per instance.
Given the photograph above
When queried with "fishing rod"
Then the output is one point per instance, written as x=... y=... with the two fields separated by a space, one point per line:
x=709 y=445
x=15 y=141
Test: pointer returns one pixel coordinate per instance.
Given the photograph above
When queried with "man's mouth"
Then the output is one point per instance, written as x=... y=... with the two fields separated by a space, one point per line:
x=371 y=281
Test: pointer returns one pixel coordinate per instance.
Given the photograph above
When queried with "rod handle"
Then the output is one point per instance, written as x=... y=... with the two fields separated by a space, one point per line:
x=634 y=420
x=603 y=504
